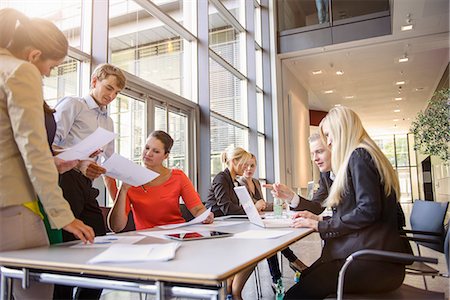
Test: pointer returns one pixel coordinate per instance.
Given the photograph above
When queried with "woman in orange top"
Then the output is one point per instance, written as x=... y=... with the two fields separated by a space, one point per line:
x=157 y=202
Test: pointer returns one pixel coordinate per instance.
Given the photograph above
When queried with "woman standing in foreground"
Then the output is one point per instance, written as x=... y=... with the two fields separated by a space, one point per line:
x=364 y=199
x=29 y=48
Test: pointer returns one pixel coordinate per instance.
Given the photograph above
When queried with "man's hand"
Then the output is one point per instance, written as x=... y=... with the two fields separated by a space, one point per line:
x=81 y=231
x=65 y=165
x=281 y=191
x=307 y=215
x=90 y=169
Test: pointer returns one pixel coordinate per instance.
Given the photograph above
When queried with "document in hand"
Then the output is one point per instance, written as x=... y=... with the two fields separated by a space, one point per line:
x=120 y=253
x=197 y=220
x=119 y=167
x=99 y=138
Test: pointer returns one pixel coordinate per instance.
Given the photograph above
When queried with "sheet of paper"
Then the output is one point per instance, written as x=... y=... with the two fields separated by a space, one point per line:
x=260 y=234
x=201 y=227
x=108 y=240
x=162 y=233
x=99 y=138
x=121 y=168
x=197 y=220
x=120 y=253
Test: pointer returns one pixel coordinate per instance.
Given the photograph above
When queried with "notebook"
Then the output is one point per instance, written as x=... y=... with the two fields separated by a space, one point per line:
x=252 y=213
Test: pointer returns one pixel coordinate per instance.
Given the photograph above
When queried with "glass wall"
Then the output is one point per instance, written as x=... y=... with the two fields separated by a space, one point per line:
x=155 y=42
x=399 y=151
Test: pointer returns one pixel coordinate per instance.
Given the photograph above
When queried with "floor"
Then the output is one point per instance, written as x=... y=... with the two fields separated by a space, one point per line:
x=308 y=250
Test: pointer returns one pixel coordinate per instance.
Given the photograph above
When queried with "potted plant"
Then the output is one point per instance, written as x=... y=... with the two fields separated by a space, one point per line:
x=431 y=128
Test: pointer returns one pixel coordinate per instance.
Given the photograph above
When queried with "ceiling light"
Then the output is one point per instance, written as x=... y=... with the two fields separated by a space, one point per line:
x=403 y=59
x=407 y=27
x=396 y=120
x=396 y=110
x=339 y=72
x=349 y=97
x=398 y=98
x=400 y=82
x=337 y=105
x=317 y=72
x=328 y=92
x=419 y=89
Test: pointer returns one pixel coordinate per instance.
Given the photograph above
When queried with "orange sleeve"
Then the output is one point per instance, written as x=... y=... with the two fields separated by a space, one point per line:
x=190 y=196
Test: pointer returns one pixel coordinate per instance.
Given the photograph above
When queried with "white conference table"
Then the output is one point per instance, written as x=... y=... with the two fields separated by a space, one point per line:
x=198 y=270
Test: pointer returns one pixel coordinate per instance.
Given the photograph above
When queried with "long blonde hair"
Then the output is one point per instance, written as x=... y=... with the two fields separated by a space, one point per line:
x=237 y=154
x=17 y=32
x=348 y=134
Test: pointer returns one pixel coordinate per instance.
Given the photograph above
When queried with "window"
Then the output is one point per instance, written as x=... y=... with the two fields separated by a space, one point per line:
x=128 y=115
x=225 y=40
x=223 y=135
x=146 y=47
x=67 y=15
x=225 y=94
x=63 y=81
x=178 y=128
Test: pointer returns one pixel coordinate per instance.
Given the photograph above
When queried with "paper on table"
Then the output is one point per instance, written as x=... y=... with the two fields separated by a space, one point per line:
x=162 y=233
x=108 y=240
x=119 y=253
x=200 y=227
x=197 y=220
x=260 y=234
x=121 y=168
x=99 y=138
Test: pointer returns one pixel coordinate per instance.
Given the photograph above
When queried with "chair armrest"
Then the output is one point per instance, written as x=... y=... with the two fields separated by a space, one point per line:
x=395 y=257
x=432 y=233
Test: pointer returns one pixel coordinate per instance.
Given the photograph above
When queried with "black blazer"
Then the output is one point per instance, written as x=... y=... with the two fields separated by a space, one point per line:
x=315 y=204
x=221 y=197
x=366 y=218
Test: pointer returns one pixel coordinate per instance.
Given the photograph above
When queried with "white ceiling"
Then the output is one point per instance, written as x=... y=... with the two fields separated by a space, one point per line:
x=371 y=68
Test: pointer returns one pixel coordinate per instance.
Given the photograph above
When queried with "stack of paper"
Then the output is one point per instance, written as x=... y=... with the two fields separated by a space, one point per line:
x=120 y=253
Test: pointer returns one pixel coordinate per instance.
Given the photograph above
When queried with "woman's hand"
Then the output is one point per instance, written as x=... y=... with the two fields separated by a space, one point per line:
x=305 y=223
x=65 y=165
x=306 y=219
x=260 y=205
x=209 y=219
x=81 y=231
x=307 y=215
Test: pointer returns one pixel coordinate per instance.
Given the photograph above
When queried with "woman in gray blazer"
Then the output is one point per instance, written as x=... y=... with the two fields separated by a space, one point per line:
x=363 y=198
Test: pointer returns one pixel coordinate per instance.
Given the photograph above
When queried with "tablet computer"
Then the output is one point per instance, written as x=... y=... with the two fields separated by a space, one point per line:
x=198 y=235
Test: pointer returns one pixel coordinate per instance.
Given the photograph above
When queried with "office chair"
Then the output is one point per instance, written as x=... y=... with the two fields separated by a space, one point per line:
x=427 y=230
x=403 y=292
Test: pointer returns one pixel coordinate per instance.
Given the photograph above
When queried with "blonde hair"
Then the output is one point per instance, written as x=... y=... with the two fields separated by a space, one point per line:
x=17 y=32
x=102 y=71
x=348 y=134
x=234 y=153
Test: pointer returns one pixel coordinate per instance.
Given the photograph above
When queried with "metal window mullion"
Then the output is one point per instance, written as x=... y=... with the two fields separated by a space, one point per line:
x=154 y=10
x=225 y=13
x=257 y=46
x=78 y=54
x=225 y=119
x=218 y=59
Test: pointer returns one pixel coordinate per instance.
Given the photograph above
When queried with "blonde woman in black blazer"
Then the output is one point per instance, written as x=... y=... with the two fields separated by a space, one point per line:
x=364 y=199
